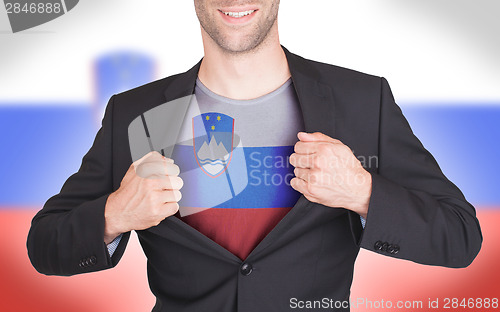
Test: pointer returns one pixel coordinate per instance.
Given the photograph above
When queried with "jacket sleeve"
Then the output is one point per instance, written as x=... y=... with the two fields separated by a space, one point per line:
x=67 y=236
x=415 y=212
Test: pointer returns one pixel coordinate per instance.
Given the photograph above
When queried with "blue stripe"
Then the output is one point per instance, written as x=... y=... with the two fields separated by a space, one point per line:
x=42 y=145
x=465 y=140
x=260 y=177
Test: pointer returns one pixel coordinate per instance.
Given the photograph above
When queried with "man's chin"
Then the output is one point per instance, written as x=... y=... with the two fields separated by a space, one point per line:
x=239 y=45
x=239 y=50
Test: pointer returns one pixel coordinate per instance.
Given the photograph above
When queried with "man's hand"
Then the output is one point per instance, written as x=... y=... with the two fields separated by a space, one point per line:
x=148 y=193
x=328 y=173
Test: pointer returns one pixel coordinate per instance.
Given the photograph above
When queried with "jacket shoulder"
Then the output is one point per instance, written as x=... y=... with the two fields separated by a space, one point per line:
x=338 y=74
x=130 y=104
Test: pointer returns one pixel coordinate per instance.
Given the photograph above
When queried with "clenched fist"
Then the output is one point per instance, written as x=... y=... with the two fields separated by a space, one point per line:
x=148 y=193
x=328 y=173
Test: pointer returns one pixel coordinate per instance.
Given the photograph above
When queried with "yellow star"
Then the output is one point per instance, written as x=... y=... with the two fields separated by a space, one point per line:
x=207 y=118
x=213 y=127
x=218 y=118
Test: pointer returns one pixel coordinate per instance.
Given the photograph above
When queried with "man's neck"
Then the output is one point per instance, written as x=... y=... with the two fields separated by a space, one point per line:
x=244 y=76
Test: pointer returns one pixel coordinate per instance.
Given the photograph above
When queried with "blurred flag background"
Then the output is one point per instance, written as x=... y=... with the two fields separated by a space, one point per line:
x=440 y=57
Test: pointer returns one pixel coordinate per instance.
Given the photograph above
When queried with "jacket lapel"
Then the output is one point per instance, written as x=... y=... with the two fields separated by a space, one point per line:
x=318 y=110
x=183 y=84
x=315 y=98
x=317 y=105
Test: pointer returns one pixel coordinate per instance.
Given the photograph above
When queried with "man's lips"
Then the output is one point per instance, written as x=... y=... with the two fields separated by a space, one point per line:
x=237 y=15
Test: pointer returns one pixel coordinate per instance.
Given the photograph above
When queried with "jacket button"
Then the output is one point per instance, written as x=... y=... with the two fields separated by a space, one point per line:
x=390 y=249
x=395 y=249
x=385 y=245
x=246 y=269
x=378 y=245
x=93 y=260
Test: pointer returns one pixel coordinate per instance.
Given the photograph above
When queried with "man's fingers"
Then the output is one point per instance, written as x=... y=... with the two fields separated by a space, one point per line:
x=309 y=176
x=157 y=169
x=170 y=196
x=301 y=173
x=152 y=156
x=302 y=147
x=309 y=147
x=301 y=186
x=316 y=137
x=298 y=184
x=302 y=161
x=171 y=183
x=171 y=208
x=169 y=160
x=157 y=157
x=313 y=147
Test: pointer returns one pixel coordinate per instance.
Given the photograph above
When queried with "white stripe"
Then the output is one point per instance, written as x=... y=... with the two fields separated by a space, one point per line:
x=400 y=40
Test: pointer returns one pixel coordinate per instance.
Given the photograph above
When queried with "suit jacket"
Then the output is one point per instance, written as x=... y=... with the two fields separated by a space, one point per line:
x=415 y=212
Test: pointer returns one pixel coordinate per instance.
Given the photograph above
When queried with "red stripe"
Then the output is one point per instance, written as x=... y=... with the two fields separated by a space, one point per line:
x=376 y=277
x=238 y=230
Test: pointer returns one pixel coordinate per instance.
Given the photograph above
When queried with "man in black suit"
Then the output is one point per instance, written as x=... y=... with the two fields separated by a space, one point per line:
x=412 y=211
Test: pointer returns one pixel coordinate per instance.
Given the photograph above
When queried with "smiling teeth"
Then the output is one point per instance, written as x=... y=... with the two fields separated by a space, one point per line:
x=239 y=14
